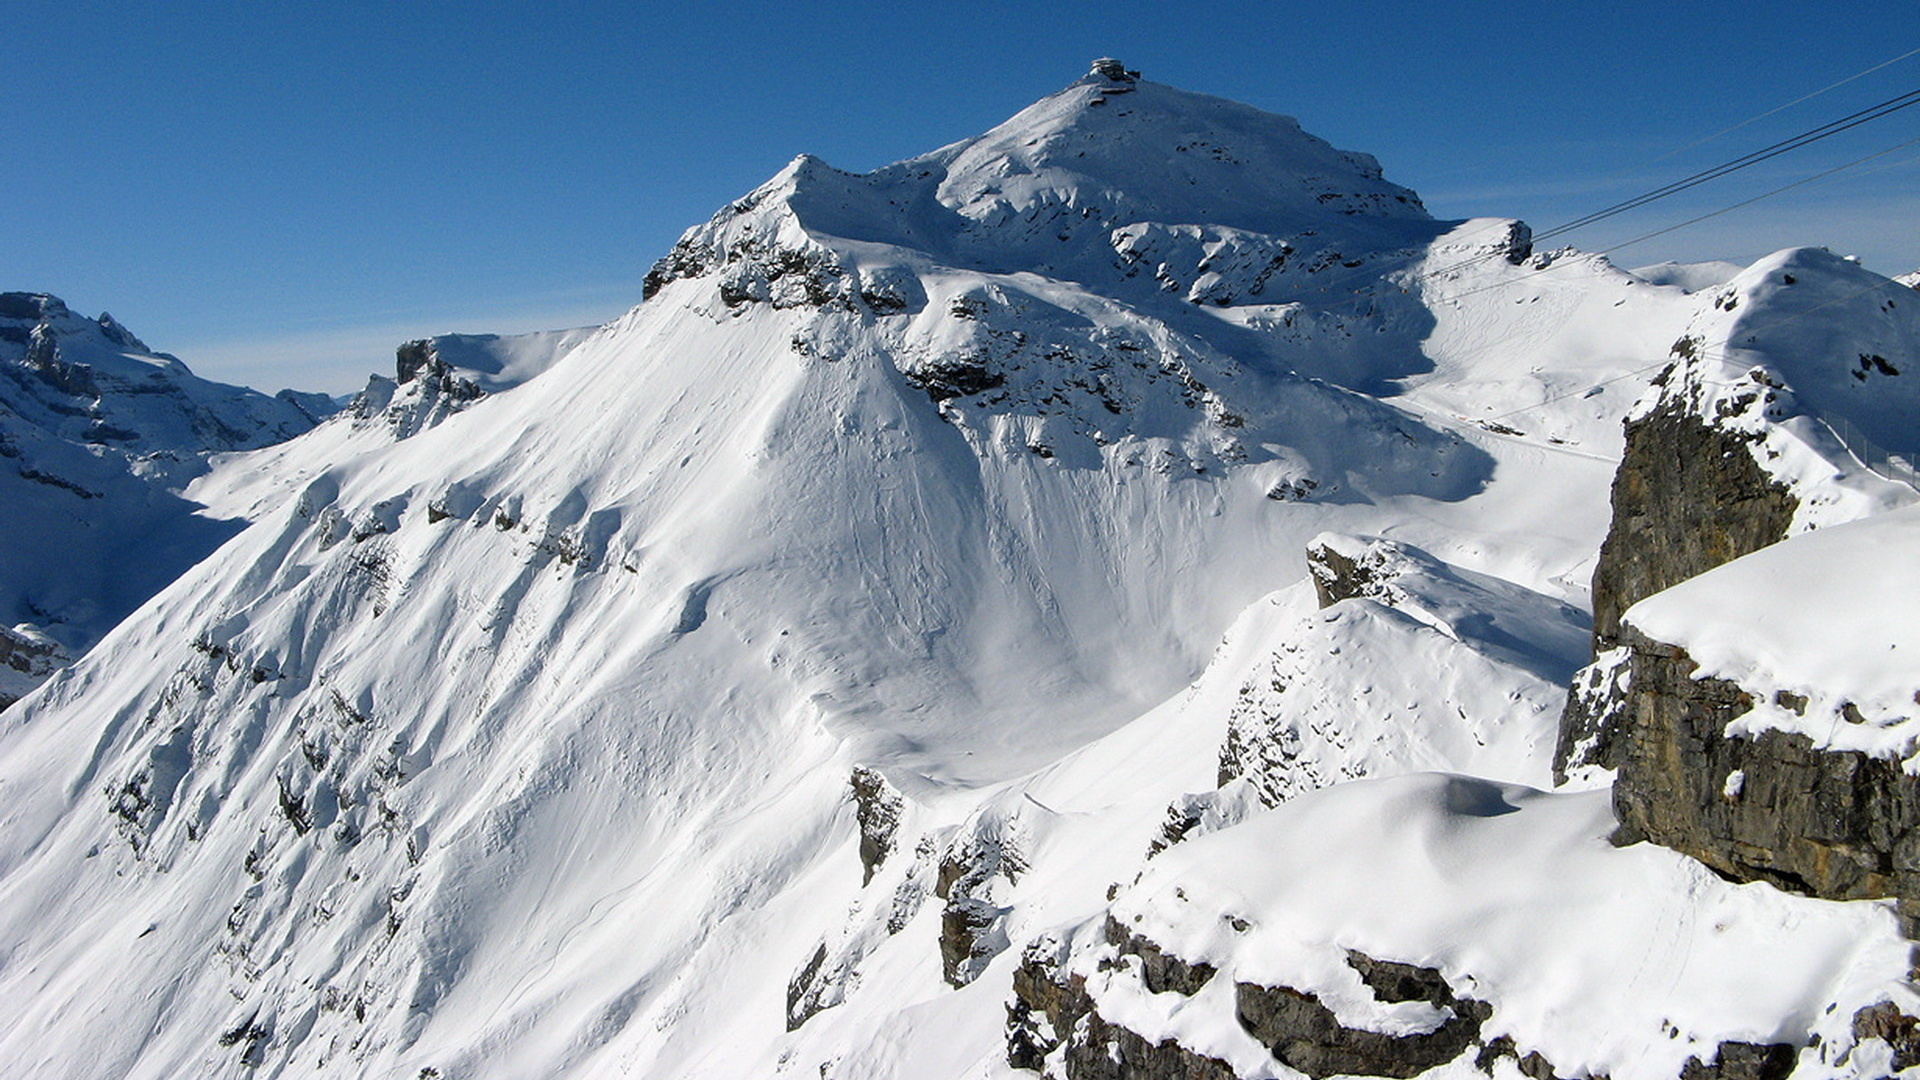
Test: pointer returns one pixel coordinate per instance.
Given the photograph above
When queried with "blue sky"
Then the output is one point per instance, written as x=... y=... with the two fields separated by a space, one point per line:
x=279 y=193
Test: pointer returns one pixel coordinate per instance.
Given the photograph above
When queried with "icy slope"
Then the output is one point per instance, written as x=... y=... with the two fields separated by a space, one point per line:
x=97 y=434
x=522 y=745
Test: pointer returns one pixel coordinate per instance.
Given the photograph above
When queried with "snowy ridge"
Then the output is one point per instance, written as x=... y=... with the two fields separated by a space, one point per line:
x=1802 y=354
x=434 y=379
x=548 y=738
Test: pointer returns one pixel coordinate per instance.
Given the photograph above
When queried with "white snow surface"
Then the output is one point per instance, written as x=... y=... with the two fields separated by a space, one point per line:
x=520 y=746
x=496 y=362
x=1693 y=277
x=1829 y=616
x=1605 y=960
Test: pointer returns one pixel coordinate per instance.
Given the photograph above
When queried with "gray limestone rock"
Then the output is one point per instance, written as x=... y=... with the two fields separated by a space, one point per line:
x=1840 y=825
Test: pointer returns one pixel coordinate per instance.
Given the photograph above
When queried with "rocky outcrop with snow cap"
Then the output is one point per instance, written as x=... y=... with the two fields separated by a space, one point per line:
x=1766 y=423
x=1775 y=715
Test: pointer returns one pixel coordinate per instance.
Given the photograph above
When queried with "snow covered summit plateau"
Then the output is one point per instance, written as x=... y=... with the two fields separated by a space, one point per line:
x=880 y=653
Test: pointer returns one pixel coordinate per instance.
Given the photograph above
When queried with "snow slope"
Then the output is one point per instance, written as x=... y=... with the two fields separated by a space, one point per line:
x=521 y=746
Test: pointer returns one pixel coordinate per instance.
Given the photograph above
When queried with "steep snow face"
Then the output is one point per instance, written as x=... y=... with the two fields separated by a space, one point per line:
x=520 y=746
x=97 y=433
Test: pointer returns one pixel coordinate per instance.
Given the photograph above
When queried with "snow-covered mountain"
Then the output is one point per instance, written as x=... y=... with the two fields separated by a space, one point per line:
x=927 y=637
x=99 y=433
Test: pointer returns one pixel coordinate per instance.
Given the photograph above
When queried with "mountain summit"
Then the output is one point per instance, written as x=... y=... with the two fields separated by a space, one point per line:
x=791 y=679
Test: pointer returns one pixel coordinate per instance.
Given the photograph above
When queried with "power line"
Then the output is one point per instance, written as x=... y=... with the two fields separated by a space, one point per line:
x=1765 y=153
x=1782 y=108
x=1611 y=249
x=1834 y=127
x=1763 y=195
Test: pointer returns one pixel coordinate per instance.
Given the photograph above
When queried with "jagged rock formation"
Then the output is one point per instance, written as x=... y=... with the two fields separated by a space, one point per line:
x=877 y=806
x=26 y=659
x=1737 y=447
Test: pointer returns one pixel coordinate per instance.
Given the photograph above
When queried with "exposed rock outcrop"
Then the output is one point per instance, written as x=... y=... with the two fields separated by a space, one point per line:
x=1744 y=1061
x=972 y=924
x=1343 y=568
x=877 y=807
x=1688 y=497
x=1053 y=1021
x=1842 y=825
x=26 y=659
x=1307 y=1036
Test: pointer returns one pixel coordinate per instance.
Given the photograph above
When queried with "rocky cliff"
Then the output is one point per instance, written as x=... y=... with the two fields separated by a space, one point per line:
x=1769 y=730
x=1752 y=433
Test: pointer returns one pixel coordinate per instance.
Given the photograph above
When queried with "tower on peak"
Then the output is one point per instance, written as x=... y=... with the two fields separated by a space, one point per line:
x=1113 y=70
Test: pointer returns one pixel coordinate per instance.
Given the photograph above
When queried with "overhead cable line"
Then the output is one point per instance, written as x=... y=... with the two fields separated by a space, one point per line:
x=1813 y=135
x=1623 y=245
x=1783 y=108
x=1765 y=153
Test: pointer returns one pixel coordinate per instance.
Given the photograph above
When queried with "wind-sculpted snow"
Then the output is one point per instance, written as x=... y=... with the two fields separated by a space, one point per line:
x=526 y=744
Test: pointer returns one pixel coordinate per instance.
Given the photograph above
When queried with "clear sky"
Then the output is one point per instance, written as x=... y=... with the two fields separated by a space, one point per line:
x=281 y=192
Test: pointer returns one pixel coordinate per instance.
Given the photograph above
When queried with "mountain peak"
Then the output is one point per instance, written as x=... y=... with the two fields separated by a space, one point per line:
x=1153 y=152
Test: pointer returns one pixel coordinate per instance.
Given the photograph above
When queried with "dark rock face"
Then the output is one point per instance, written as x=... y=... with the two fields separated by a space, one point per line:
x=1337 y=576
x=972 y=925
x=25 y=661
x=1687 y=497
x=955 y=376
x=420 y=360
x=1840 y=825
x=803 y=990
x=1052 y=1014
x=877 y=807
x=1161 y=971
x=1744 y=1061
x=1306 y=1035
x=1885 y=1021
